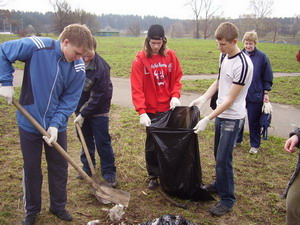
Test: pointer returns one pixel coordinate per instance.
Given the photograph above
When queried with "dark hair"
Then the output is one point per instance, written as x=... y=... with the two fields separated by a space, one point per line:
x=148 y=49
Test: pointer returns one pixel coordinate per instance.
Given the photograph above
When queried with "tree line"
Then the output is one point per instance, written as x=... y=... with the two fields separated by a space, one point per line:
x=25 y=23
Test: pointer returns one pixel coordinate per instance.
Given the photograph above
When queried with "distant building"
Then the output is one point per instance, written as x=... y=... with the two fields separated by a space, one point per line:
x=108 y=33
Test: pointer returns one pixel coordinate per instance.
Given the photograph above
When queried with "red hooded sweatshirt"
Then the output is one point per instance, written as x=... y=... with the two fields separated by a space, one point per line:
x=154 y=81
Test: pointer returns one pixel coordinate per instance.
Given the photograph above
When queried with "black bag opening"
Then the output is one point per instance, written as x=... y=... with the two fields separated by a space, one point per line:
x=177 y=149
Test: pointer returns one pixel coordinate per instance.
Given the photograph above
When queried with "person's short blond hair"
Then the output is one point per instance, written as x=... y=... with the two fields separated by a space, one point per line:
x=250 y=36
x=78 y=35
x=228 y=31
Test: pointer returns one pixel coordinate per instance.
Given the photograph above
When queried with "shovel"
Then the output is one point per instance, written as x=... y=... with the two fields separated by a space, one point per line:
x=85 y=148
x=103 y=192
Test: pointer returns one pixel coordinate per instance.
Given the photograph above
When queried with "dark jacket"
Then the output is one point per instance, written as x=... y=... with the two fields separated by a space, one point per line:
x=97 y=92
x=262 y=76
x=297 y=132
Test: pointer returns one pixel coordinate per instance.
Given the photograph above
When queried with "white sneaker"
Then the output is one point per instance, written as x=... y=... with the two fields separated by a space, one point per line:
x=253 y=150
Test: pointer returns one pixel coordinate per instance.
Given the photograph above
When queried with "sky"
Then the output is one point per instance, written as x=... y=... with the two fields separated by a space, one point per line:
x=176 y=9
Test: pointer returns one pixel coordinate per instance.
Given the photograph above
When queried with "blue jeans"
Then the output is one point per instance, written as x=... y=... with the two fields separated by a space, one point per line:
x=226 y=131
x=96 y=133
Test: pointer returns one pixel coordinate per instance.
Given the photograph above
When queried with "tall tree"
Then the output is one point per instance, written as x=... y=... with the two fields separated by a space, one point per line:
x=91 y=20
x=261 y=8
x=63 y=15
x=196 y=6
x=209 y=12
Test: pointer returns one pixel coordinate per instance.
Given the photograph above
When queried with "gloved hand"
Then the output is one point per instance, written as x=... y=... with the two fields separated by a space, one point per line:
x=7 y=92
x=174 y=102
x=145 y=120
x=201 y=125
x=53 y=131
x=199 y=102
x=79 y=119
x=267 y=108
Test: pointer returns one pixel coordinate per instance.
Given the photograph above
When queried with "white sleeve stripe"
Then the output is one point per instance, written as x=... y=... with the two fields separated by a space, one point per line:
x=38 y=42
x=244 y=69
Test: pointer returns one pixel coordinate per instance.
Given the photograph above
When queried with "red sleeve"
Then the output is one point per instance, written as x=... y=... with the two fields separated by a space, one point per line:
x=137 y=82
x=176 y=76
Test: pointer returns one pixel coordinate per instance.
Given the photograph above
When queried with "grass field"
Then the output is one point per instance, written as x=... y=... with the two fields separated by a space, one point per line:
x=196 y=56
x=260 y=179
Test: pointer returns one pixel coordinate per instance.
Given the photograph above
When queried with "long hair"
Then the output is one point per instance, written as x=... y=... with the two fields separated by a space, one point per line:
x=148 y=50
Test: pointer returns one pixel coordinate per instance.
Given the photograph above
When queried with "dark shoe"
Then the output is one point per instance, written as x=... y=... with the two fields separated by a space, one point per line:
x=63 y=215
x=210 y=188
x=219 y=209
x=153 y=184
x=29 y=219
x=111 y=182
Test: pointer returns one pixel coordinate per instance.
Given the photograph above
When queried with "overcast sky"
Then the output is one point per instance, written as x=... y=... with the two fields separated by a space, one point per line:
x=170 y=8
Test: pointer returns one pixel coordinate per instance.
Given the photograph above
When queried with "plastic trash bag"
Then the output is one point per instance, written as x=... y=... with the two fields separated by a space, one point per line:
x=177 y=150
x=168 y=220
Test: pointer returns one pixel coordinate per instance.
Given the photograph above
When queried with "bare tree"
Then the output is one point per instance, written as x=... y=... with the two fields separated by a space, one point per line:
x=134 y=28
x=261 y=8
x=88 y=19
x=196 y=6
x=63 y=14
x=209 y=12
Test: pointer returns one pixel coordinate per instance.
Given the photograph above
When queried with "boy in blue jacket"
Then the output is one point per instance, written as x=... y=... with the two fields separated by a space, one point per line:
x=53 y=79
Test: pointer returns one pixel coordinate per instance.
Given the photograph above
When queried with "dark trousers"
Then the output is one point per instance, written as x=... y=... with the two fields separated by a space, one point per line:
x=96 y=133
x=253 y=113
x=57 y=167
x=150 y=153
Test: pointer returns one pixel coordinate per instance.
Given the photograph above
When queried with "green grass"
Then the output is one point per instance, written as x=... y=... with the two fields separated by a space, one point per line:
x=260 y=179
x=195 y=56
x=285 y=90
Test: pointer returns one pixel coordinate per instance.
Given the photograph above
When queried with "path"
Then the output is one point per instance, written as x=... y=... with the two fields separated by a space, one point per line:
x=284 y=117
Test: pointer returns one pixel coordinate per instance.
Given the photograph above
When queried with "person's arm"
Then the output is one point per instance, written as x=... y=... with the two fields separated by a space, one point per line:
x=68 y=100
x=137 y=86
x=267 y=78
x=177 y=73
x=232 y=95
x=100 y=92
x=293 y=141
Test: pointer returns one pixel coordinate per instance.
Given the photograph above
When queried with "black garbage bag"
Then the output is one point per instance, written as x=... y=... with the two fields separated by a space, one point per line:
x=177 y=150
x=168 y=220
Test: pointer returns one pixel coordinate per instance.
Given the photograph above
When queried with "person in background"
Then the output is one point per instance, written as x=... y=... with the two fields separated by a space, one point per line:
x=258 y=92
x=52 y=84
x=155 y=86
x=236 y=71
x=93 y=115
x=292 y=193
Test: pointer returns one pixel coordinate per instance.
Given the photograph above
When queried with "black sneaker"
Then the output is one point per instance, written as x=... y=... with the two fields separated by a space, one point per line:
x=219 y=209
x=29 y=219
x=210 y=188
x=112 y=182
x=62 y=214
x=153 y=184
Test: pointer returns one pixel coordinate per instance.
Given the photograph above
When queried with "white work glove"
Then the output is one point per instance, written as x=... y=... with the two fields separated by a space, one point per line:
x=267 y=108
x=199 y=102
x=79 y=119
x=174 y=102
x=145 y=120
x=7 y=92
x=53 y=132
x=201 y=125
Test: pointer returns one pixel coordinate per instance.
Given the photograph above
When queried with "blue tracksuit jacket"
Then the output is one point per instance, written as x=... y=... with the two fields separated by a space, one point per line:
x=51 y=86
